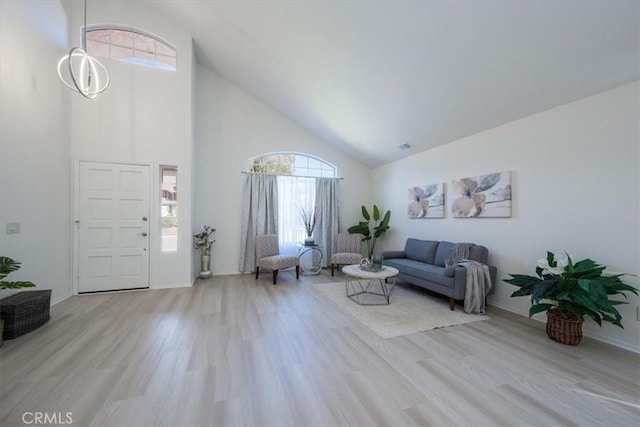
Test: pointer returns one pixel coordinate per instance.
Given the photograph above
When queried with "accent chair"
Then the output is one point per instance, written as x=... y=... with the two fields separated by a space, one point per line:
x=348 y=250
x=268 y=256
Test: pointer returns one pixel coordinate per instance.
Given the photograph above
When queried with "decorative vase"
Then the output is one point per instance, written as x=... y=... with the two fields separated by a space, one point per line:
x=376 y=261
x=205 y=266
x=564 y=331
x=308 y=241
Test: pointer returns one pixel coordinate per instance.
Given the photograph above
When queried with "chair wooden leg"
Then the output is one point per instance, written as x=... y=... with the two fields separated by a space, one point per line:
x=257 y=271
x=275 y=276
x=332 y=265
x=297 y=272
x=452 y=303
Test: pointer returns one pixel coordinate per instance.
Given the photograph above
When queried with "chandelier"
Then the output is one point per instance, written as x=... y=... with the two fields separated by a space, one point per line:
x=80 y=71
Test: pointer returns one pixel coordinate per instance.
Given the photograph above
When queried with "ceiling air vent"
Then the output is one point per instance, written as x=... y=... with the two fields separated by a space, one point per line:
x=405 y=146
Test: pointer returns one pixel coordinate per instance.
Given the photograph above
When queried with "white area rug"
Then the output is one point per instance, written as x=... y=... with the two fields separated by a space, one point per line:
x=411 y=310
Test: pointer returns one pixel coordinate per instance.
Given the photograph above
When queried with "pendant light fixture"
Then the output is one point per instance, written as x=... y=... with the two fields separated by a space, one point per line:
x=80 y=71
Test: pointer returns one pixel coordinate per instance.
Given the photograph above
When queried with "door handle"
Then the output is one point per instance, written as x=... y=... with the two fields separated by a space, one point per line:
x=143 y=234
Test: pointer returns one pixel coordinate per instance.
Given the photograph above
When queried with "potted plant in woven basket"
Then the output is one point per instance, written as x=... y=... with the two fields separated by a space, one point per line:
x=7 y=266
x=569 y=291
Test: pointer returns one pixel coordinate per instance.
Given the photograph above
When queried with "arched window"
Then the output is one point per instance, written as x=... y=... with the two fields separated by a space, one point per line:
x=131 y=45
x=297 y=179
x=294 y=164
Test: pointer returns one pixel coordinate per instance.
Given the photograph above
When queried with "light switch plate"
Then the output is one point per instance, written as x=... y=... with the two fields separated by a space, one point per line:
x=13 y=227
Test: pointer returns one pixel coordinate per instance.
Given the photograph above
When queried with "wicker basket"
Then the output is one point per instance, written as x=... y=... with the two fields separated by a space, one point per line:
x=24 y=312
x=564 y=331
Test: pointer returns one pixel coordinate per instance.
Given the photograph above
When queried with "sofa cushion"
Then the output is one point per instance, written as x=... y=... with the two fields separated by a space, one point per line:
x=420 y=250
x=421 y=270
x=444 y=250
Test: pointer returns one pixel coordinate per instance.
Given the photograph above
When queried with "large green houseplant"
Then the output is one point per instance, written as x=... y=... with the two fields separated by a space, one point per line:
x=7 y=266
x=371 y=233
x=568 y=291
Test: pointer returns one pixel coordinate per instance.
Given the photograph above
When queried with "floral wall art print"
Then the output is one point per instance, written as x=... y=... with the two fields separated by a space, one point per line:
x=484 y=196
x=426 y=201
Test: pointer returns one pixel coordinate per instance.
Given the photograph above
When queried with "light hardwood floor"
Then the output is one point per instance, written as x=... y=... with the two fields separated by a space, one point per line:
x=234 y=351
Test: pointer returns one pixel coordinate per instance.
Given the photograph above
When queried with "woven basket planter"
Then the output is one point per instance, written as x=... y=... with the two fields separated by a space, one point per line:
x=25 y=311
x=564 y=331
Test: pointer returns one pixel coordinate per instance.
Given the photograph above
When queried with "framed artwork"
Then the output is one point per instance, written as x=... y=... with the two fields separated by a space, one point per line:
x=484 y=196
x=426 y=201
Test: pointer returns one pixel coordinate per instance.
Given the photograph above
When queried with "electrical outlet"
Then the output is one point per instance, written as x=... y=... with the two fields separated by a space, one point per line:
x=13 y=228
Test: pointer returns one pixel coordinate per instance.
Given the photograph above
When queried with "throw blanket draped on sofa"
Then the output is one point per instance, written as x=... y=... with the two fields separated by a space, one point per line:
x=478 y=277
x=478 y=286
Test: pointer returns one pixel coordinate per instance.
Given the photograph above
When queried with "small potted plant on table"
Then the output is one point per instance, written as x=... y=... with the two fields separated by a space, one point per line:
x=568 y=292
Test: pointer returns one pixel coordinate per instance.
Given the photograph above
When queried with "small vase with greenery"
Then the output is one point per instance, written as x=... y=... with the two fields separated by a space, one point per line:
x=569 y=291
x=371 y=233
x=309 y=220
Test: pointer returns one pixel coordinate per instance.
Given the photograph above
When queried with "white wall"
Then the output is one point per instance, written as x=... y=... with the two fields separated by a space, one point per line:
x=232 y=127
x=143 y=117
x=575 y=175
x=34 y=144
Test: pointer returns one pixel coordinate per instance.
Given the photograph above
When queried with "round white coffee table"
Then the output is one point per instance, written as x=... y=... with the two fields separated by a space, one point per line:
x=365 y=287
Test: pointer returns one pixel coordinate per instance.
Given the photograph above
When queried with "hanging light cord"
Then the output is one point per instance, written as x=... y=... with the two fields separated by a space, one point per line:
x=84 y=47
x=84 y=29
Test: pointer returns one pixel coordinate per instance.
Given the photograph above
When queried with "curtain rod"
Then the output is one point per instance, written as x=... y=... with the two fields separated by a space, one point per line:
x=280 y=174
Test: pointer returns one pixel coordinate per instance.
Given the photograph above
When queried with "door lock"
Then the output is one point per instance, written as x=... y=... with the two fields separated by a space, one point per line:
x=144 y=218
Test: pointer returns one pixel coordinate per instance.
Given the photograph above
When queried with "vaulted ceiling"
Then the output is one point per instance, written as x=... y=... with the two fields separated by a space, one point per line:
x=369 y=76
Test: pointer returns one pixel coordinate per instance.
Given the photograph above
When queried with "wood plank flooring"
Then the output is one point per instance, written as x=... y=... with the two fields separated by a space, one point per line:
x=233 y=351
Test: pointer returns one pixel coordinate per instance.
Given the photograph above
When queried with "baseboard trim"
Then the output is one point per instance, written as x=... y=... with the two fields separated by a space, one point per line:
x=602 y=338
x=170 y=285
x=60 y=299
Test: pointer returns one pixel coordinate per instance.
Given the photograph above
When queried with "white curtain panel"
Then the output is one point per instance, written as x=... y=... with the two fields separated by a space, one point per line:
x=259 y=215
x=295 y=193
x=328 y=201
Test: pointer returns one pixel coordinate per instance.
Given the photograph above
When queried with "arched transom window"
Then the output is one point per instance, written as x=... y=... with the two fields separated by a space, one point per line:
x=131 y=45
x=293 y=164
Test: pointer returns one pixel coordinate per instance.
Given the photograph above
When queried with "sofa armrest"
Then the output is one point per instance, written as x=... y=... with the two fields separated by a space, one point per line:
x=460 y=278
x=393 y=254
x=493 y=272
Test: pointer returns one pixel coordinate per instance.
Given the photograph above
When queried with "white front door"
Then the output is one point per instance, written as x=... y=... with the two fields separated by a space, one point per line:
x=113 y=236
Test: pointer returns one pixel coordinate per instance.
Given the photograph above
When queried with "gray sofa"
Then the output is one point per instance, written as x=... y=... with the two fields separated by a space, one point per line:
x=422 y=263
